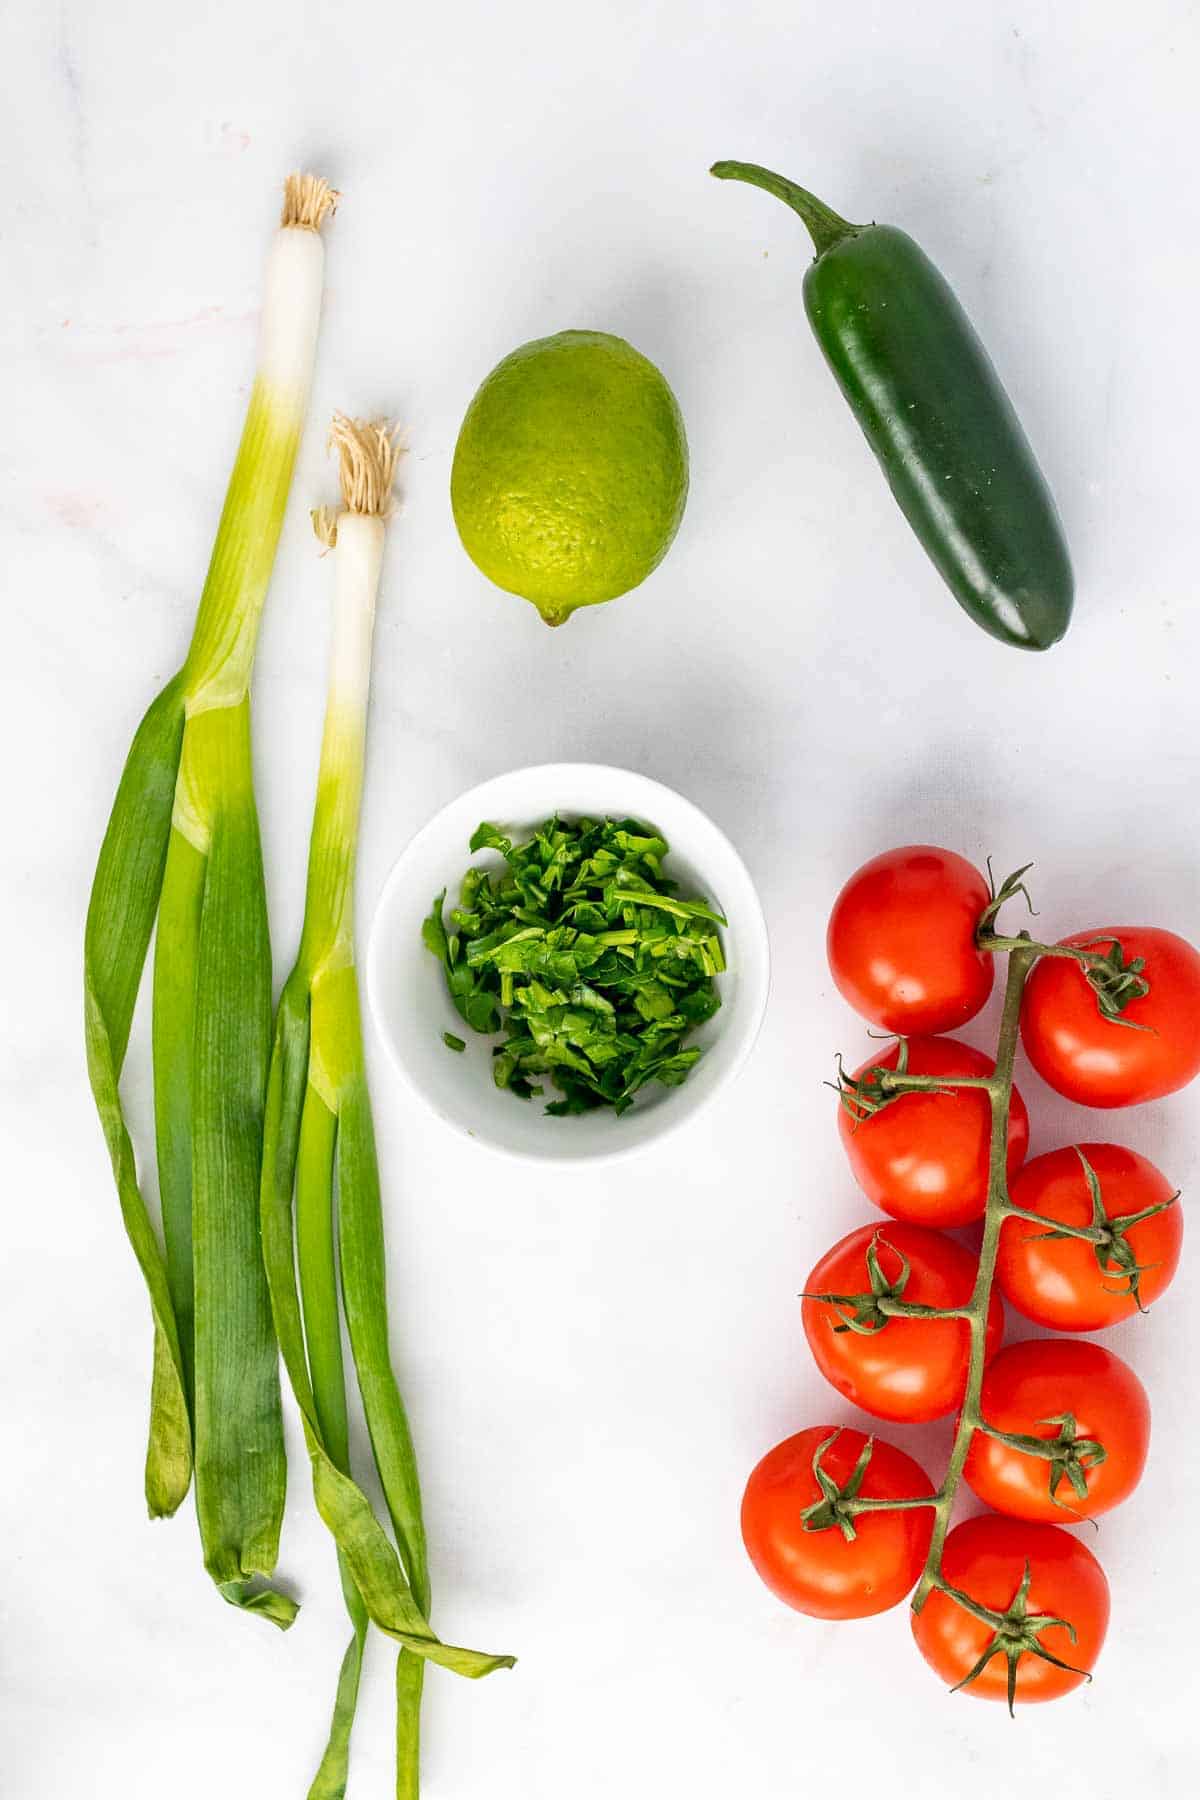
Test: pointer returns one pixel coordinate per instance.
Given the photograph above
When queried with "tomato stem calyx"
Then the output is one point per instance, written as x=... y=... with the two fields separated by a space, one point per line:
x=1009 y=888
x=868 y=1313
x=867 y=1093
x=1017 y=1633
x=1115 y=979
x=840 y=1506
x=1069 y=1455
x=1107 y=1235
x=834 y=1506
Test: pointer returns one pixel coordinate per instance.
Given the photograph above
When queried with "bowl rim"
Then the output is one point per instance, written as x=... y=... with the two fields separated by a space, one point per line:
x=673 y=1119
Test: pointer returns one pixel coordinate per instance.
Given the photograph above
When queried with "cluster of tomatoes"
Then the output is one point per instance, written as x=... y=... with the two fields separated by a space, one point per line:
x=841 y=1525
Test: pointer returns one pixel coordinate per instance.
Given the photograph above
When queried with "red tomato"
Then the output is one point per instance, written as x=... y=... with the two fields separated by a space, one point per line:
x=986 y=1559
x=819 y=1572
x=1064 y=1390
x=1099 y=1061
x=1069 y=1283
x=901 y=940
x=911 y=1369
x=924 y=1157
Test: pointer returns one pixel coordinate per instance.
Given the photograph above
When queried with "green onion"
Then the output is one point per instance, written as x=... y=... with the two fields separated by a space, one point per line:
x=320 y=1146
x=182 y=850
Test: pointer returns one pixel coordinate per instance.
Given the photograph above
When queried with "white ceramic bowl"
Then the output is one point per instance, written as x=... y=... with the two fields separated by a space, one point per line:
x=406 y=987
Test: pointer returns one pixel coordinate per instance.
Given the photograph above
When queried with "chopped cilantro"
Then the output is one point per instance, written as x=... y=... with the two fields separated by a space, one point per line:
x=583 y=954
x=453 y=1043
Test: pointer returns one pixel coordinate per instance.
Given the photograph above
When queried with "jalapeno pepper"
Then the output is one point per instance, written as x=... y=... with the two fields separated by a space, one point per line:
x=923 y=389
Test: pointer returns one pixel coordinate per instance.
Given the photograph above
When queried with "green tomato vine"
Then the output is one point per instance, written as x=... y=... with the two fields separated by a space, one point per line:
x=1016 y=1632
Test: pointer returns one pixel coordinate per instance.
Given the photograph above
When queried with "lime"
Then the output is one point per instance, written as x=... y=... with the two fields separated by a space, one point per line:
x=571 y=472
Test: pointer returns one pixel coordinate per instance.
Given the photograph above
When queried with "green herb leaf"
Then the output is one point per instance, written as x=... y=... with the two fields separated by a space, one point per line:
x=583 y=953
x=487 y=837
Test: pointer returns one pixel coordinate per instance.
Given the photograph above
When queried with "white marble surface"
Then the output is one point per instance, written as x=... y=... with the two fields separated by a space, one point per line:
x=592 y=1368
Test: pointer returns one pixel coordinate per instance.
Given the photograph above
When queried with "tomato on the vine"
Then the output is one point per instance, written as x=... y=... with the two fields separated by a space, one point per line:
x=896 y=1368
x=901 y=940
x=1024 y=1575
x=1077 y=1284
x=1150 y=1048
x=923 y=1157
x=1076 y=1397
x=813 y=1565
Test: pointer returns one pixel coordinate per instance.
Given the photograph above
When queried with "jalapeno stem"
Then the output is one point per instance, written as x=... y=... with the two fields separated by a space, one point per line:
x=825 y=227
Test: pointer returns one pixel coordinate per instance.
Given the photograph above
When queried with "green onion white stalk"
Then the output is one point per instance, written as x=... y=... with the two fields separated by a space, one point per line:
x=319 y=1147
x=182 y=852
